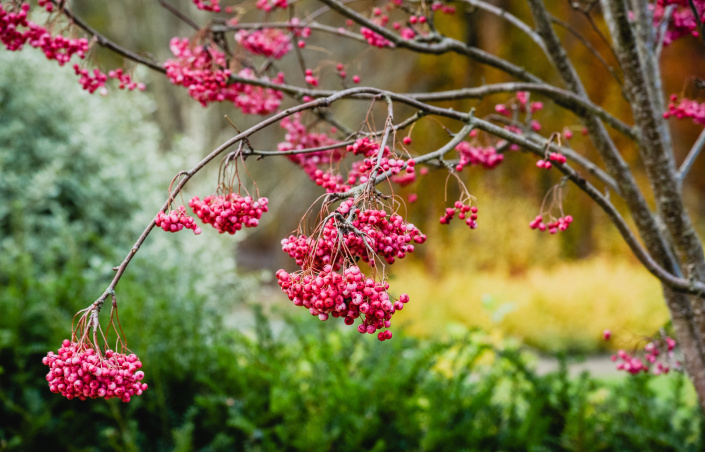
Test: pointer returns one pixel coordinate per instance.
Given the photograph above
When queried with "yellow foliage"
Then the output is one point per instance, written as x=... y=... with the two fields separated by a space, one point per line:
x=565 y=307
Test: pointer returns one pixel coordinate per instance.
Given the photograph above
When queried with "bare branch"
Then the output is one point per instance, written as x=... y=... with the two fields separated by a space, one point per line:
x=586 y=13
x=692 y=155
x=614 y=162
x=460 y=136
x=586 y=163
x=663 y=29
x=512 y=19
x=570 y=29
x=573 y=102
x=105 y=42
x=444 y=45
x=185 y=19
x=680 y=284
x=288 y=25
x=698 y=19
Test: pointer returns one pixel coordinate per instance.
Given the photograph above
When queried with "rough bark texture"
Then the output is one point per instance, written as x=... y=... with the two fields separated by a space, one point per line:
x=687 y=312
x=689 y=338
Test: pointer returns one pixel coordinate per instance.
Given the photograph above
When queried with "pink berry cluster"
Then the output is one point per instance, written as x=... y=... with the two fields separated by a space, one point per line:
x=270 y=42
x=683 y=22
x=658 y=358
x=125 y=80
x=90 y=80
x=229 y=213
x=407 y=177
x=365 y=146
x=46 y=4
x=685 y=108
x=349 y=295
x=350 y=234
x=417 y=25
x=78 y=371
x=298 y=137
x=202 y=70
x=340 y=67
x=361 y=171
x=407 y=33
x=560 y=224
x=318 y=165
x=385 y=235
x=208 y=5
x=176 y=220
x=297 y=27
x=446 y=9
x=96 y=80
x=310 y=78
x=56 y=48
x=390 y=237
x=555 y=156
x=16 y=31
x=269 y=5
x=487 y=157
x=375 y=39
x=330 y=180
x=462 y=209
x=394 y=166
x=370 y=149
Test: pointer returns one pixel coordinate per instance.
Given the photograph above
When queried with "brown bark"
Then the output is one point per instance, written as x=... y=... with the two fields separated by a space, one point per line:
x=689 y=339
x=687 y=312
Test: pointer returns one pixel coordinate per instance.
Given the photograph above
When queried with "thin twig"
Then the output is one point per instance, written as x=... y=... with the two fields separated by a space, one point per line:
x=570 y=29
x=698 y=19
x=105 y=42
x=692 y=155
x=680 y=284
x=586 y=13
x=512 y=19
x=185 y=19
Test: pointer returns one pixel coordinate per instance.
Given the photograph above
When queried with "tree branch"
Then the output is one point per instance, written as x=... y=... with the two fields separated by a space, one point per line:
x=680 y=284
x=698 y=19
x=654 y=145
x=444 y=45
x=586 y=163
x=692 y=155
x=569 y=28
x=187 y=175
x=614 y=162
x=105 y=42
x=289 y=25
x=512 y=19
x=185 y=19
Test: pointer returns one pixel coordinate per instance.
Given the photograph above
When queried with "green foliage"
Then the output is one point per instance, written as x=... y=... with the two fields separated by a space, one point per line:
x=314 y=387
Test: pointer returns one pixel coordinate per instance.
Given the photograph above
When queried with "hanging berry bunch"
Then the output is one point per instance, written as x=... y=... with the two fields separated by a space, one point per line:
x=331 y=284
x=555 y=157
x=176 y=220
x=463 y=207
x=545 y=220
x=226 y=211
x=82 y=369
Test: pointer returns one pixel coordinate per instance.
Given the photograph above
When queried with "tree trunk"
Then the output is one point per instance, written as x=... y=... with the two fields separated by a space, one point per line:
x=689 y=339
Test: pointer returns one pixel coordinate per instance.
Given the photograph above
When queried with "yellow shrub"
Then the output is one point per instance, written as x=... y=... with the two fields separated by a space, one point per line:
x=565 y=307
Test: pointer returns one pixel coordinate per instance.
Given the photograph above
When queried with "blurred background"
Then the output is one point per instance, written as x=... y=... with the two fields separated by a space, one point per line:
x=481 y=355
